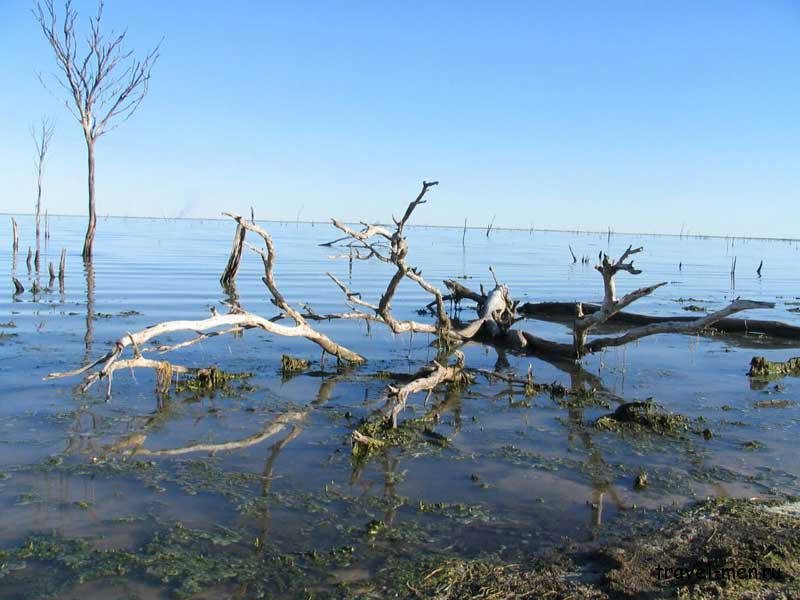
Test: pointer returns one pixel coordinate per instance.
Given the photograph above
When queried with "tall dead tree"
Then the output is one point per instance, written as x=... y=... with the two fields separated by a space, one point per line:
x=105 y=85
x=14 y=236
x=42 y=135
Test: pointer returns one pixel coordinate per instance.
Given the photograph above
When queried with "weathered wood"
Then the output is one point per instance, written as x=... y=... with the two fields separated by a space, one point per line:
x=564 y=312
x=398 y=250
x=496 y=314
x=228 y=277
x=62 y=266
x=18 y=287
x=14 y=236
x=233 y=321
x=431 y=377
x=459 y=292
x=676 y=326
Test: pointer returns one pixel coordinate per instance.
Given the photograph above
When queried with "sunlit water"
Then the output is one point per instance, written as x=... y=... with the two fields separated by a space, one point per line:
x=528 y=472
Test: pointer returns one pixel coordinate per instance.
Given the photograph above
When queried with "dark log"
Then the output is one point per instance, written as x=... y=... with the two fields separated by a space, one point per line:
x=228 y=278
x=564 y=312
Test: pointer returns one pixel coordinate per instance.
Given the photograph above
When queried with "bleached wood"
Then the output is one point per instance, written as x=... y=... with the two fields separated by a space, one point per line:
x=435 y=375
x=233 y=321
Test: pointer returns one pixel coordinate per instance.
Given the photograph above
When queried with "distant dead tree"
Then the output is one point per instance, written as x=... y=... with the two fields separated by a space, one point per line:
x=105 y=86
x=42 y=135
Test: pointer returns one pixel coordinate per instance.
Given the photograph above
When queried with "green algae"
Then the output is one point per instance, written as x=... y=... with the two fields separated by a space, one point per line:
x=713 y=541
x=443 y=577
x=382 y=436
x=187 y=561
x=761 y=368
x=639 y=417
x=752 y=445
x=291 y=365
x=210 y=380
x=774 y=403
x=720 y=544
x=581 y=398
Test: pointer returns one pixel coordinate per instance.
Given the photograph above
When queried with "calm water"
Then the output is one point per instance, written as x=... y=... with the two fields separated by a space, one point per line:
x=519 y=475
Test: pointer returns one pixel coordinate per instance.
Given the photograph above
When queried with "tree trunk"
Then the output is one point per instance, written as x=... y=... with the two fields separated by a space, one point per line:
x=88 y=244
x=38 y=203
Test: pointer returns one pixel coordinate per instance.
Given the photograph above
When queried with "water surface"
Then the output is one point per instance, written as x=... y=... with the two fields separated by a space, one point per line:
x=518 y=475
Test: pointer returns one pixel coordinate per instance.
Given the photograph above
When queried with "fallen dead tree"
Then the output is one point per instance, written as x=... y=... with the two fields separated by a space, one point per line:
x=584 y=321
x=493 y=325
x=564 y=312
x=391 y=247
x=235 y=321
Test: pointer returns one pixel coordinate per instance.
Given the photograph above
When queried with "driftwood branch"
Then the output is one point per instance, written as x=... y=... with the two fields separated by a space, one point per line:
x=234 y=321
x=428 y=379
x=373 y=241
x=588 y=316
x=564 y=312
x=677 y=326
x=611 y=305
x=228 y=277
x=496 y=314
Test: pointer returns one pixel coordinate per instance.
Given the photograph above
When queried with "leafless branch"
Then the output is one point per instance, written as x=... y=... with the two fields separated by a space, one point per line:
x=234 y=321
x=42 y=135
x=429 y=378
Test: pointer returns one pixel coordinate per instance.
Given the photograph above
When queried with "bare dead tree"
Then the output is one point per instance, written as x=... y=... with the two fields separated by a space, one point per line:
x=228 y=278
x=389 y=247
x=14 y=235
x=611 y=306
x=42 y=135
x=105 y=85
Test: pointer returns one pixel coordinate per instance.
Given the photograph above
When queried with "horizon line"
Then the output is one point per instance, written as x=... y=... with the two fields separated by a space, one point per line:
x=609 y=232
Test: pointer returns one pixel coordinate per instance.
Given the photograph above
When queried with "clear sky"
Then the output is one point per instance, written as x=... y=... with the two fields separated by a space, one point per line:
x=636 y=115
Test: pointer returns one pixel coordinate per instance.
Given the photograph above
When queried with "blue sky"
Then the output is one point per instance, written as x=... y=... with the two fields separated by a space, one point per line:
x=636 y=115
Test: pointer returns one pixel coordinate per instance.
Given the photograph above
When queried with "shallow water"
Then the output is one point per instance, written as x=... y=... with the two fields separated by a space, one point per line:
x=518 y=475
